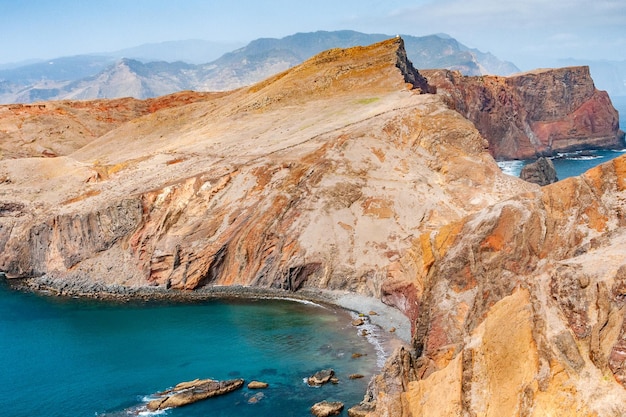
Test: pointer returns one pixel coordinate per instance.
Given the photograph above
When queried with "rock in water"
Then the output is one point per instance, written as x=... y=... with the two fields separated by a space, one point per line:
x=540 y=172
x=190 y=392
x=325 y=408
x=321 y=377
x=257 y=385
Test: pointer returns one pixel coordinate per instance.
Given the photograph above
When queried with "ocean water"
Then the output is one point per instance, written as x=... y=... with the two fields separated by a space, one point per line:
x=568 y=164
x=72 y=358
x=575 y=163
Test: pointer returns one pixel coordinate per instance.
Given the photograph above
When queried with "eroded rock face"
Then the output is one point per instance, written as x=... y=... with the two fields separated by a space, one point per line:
x=537 y=113
x=522 y=313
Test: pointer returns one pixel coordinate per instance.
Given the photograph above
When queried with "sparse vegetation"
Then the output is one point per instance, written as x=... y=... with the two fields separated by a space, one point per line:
x=369 y=100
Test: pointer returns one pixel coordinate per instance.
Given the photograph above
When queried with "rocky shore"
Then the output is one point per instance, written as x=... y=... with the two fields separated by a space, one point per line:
x=395 y=327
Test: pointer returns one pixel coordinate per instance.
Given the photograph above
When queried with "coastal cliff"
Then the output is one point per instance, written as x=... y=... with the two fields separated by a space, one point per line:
x=521 y=311
x=347 y=173
x=532 y=114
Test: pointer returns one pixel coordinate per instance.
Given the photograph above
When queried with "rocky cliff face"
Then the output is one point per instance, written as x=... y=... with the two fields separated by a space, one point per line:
x=522 y=308
x=533 y=114
x=280 y=185
x=341 y=174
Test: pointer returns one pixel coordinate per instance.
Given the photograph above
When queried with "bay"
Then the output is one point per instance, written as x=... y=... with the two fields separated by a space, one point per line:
x=74 y=357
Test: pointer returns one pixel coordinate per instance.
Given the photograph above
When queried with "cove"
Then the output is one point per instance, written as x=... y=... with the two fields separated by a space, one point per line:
x=77 y=357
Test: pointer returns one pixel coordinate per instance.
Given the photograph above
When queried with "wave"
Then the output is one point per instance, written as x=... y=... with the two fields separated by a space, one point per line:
x=150 y=413
x=297 y=300
x=511 y=167
x=373 y=337
x=582 y=157
x=139 y=410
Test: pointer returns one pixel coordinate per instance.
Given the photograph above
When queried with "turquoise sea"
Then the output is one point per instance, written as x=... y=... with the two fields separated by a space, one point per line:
x=72 y=358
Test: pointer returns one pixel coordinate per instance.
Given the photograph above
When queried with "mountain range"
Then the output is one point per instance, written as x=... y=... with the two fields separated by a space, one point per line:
x=151 y=70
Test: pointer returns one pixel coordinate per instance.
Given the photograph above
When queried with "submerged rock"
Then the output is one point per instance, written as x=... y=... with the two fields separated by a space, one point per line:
x=190 y=392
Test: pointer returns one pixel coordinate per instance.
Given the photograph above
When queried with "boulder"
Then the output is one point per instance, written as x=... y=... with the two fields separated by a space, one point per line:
x=325 y=408
x=540 y=172
x=257 y=385
x=190 y=392
x=358 y=322
x=360 y=410
x=321 y=377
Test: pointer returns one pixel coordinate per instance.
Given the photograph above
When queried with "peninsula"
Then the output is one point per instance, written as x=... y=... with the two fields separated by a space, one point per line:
x=352 y=172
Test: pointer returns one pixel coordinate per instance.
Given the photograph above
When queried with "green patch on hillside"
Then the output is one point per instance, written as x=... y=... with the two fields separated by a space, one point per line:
x=367 y=100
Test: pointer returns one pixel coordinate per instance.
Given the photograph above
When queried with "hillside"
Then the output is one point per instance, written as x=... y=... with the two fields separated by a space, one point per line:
x=345 y=174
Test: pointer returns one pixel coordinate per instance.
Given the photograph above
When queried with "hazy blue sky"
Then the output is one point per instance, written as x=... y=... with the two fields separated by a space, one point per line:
x=529 y=33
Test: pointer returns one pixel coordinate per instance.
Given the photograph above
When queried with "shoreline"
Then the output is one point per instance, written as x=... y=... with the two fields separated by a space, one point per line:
x=378 y=325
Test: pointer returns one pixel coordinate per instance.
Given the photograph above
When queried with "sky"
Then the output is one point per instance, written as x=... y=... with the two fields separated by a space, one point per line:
x=529 y=33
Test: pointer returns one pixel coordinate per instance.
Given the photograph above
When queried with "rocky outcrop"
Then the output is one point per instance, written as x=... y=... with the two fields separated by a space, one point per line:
x=190 y=392
x=58 y=128
x=257 y=385
x=541 y=172
x=537 y=113
x=320 y=378
x=327 y=408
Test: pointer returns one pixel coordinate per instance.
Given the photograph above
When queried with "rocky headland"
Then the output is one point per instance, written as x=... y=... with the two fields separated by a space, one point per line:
x=533 y=114
x=347 y=174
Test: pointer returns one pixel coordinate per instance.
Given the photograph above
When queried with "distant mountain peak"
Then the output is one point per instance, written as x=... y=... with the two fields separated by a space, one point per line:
x=91 y=77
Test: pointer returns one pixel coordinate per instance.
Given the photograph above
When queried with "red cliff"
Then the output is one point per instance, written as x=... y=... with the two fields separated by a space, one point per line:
x=537 y=113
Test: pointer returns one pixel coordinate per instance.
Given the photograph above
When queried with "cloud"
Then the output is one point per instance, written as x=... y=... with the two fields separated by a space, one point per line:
x=516 y=13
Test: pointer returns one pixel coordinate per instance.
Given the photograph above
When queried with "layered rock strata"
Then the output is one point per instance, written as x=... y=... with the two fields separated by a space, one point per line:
x=537 y=113
x=341 y=174
x=191 y=392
